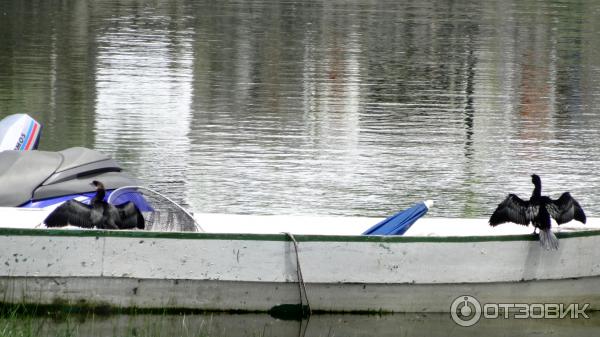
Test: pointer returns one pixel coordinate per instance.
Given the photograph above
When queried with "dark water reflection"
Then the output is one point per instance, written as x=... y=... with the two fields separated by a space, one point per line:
x=225 y=325
x=317 y=107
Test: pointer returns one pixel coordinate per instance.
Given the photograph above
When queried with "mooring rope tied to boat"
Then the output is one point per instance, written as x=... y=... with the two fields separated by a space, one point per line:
x=301 y=284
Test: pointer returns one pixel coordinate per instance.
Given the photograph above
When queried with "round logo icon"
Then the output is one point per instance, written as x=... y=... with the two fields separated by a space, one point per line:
x=465 y=310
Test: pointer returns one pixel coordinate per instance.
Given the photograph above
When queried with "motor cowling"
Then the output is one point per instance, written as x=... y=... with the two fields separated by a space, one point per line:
x=19 y=132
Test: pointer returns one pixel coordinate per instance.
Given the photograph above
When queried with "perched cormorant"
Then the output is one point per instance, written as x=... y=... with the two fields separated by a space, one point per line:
x=538 y=211
x=98 y=213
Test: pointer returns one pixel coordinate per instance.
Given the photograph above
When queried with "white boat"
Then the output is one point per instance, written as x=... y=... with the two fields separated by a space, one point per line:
x=246 y=263
x=423 y=271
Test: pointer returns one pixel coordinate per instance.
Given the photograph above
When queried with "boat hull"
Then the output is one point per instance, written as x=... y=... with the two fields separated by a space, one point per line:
x=247 y=272
x=207 y=295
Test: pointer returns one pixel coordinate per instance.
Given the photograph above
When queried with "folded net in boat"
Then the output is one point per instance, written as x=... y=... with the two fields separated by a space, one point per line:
x=160 y=212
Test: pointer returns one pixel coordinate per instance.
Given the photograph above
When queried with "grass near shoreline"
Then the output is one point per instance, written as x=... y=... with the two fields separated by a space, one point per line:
x=21 y=320
x=18 y=321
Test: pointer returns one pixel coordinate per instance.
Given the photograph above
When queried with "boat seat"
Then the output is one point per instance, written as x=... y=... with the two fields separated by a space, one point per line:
x=21 y=172
x=27 y=175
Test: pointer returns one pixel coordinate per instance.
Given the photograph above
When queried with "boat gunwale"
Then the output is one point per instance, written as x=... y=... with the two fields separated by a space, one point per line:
x=135 y=234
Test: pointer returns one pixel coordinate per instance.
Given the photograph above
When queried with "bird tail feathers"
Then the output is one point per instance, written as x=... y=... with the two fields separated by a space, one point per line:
x=548 y=240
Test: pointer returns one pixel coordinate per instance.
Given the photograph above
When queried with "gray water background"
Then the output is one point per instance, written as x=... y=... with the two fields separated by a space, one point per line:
x=353 y=107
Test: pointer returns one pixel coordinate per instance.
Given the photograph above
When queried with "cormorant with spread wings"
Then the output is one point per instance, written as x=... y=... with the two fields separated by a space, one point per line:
x=537 y=211
x=98 y=213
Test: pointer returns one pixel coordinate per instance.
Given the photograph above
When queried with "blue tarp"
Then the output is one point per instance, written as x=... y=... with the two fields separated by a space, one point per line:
x=400 y=222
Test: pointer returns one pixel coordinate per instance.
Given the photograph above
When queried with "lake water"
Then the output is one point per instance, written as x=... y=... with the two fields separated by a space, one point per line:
x=314 y=107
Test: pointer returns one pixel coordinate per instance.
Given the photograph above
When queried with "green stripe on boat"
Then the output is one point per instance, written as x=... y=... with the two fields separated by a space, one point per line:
x=279 y=237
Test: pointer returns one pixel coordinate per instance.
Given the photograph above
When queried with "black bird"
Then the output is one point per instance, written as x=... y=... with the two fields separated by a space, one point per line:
x=538 y=211
x=98 y=213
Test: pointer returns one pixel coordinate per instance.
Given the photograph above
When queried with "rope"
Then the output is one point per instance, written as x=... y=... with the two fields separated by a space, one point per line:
x=301 y=284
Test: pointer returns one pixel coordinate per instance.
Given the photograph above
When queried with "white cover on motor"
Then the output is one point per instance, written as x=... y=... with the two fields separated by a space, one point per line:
x=18 y=132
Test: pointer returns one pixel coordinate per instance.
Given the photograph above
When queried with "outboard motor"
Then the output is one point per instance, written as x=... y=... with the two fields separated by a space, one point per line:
x=31 y=178
x=19 y=132
x=45 y=179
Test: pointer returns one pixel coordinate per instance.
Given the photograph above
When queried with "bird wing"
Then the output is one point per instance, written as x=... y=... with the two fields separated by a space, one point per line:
x=129 y=216
x=565 y=209
x=71 y=212
x=514 y=209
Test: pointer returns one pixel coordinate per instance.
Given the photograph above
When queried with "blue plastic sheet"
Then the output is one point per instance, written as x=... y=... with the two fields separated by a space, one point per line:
x=400 y=222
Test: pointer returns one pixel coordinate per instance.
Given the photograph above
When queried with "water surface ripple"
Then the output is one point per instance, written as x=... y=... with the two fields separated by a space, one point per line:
x=317 y=107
